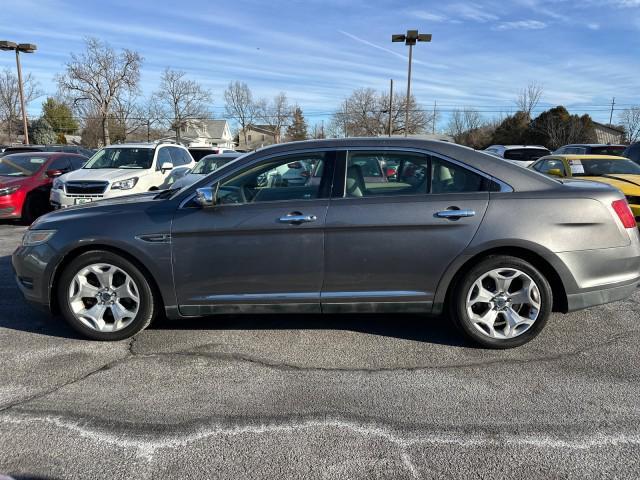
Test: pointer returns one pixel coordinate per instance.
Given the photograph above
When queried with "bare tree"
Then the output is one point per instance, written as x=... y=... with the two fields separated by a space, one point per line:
x=98 y=76
x=239 y=105
x=366 y=113
x=529 y=97
x=10 y=112
x=630 y=120
x=276 y=114
x=182 y=99
x=467 y=127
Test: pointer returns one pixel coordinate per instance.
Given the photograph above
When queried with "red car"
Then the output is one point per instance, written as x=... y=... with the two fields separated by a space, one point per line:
x=26 y=179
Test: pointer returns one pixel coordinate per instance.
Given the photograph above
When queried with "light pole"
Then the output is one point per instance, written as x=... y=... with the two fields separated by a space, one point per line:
x=26 y=48
x=410 y=39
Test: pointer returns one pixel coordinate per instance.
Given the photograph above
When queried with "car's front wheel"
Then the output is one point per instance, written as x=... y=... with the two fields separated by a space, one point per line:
x=105 y=297
x=502 y=302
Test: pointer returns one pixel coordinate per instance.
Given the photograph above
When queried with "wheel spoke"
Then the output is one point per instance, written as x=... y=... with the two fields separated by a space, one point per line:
x=482 y=294
x=503 y=282
x=105 y=276
x=95 y=315
x=128 y=290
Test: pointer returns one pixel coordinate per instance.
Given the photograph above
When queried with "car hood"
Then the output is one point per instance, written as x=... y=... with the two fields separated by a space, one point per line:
x=187 y=180
x=104 y=174
x=7 y=181
x=628 y=184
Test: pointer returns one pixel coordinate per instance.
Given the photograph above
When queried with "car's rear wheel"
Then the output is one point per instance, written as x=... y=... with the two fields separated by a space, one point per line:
x=502 y=302
x=105 y=297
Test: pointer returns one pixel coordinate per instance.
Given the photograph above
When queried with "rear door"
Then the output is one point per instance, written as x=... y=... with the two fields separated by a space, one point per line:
x=388 y=243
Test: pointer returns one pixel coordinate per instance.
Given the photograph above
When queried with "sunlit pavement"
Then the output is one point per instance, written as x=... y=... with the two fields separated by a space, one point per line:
x=316 y=397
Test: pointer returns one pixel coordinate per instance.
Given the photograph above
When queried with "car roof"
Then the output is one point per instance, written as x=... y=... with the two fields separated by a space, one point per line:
x=594 y=145
x=586 y=157
x=40 y=154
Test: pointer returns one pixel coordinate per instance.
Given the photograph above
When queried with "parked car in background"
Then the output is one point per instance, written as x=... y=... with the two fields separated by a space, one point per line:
x=119 y=170
x=591 y=149
x=200 y=152
x=522 y=155
x=632 y=152
x=205 y=166
x=499 y=245
x=26 y=178
x=48 y=148
x=619 y=172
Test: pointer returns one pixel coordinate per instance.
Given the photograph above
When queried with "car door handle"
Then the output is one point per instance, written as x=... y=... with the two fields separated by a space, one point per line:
x=455 y=214
x=296 y=218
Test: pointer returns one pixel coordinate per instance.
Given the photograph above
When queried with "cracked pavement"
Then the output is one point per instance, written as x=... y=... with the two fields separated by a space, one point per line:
x=316 y=397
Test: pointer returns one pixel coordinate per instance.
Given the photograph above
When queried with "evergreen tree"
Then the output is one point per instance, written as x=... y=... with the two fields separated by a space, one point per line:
x=58 y=116
x=514 y=130
x=41 y=132
x=298 y=128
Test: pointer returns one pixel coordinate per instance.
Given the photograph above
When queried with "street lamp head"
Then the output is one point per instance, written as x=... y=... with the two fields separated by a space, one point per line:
x=398 y=38
x=424 y=37
x=27 y=47
x=6 y=45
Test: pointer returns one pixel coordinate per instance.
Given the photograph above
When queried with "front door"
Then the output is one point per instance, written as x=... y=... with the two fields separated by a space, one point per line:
x=390 y=240
x=261 y=249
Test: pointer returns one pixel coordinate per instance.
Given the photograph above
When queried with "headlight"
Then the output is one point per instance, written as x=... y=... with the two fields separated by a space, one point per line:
x=9 y=190
x=36 y=237
x=127 y=184
x=58 y=184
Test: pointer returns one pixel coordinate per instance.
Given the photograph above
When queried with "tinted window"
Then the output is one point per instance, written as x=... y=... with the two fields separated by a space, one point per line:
x=61 y=164
x=164 y=156
x=211 y=163
x=450 y=178
x=525 y=154
x=198 y=153
x=607 y=167
x=77 y=162
x=386 y=173
x=21 y=165
x=633 y=152
x=284 y=178
x=616 y=150
x=130 y=158
x=179 y=157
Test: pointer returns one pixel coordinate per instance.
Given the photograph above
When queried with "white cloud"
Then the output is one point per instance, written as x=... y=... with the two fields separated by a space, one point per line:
x=522 y=25
x=593 y=26
x=471 y=11
x=429 y=16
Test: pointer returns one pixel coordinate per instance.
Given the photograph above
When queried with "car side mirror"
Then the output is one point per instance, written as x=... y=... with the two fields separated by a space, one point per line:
x=556 y=172
x=53 y=173
x=166 y=166
x=207 y=197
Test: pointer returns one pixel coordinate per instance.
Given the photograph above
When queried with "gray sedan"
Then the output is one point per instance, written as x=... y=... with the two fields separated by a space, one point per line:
x=497 y=246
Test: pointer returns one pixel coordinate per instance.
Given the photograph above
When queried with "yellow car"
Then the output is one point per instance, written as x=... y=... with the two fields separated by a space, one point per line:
x=620 y=172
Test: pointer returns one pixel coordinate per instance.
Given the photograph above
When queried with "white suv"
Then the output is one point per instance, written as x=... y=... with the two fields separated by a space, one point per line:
x=119 y=170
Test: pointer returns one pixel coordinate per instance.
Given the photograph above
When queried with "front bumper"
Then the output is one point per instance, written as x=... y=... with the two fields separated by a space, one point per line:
x=60 y=199
x=11 y=205
x=34 y=268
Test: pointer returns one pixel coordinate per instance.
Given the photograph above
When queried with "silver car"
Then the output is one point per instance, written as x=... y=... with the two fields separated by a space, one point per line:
x=494 y=246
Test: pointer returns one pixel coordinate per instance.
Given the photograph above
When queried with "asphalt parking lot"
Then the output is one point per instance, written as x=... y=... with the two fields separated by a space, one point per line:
x=316 y=397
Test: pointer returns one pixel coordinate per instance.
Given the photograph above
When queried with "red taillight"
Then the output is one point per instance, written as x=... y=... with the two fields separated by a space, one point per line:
x=624 y=213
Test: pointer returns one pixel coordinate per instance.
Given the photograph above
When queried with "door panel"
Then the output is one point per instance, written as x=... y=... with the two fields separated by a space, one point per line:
x=245 y=254
x=380 y=250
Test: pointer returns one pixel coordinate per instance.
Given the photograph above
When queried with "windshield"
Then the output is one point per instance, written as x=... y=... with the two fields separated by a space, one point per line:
x=21 y=165
x=525 y=154
x=121 y=158
x=210 y=164
x=597 y=168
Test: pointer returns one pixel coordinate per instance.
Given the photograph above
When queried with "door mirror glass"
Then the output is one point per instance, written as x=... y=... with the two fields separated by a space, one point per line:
x=166 y=166
x=556 y=172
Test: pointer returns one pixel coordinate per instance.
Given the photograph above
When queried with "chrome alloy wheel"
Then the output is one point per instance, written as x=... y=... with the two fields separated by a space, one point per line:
x=104 y=297
x=503 y=303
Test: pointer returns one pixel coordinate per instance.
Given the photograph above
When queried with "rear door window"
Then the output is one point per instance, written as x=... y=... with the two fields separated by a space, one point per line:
x=447 y=177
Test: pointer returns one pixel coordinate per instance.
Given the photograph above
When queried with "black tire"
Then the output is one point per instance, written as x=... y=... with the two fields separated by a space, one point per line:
x=148 y=305
x=465 y=283
x=35 y=205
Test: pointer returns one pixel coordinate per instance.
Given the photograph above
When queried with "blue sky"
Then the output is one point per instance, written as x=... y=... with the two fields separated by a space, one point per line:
x=318 y=51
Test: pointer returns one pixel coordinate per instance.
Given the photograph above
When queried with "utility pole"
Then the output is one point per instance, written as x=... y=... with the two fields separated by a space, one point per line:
x=410 y=39
x=433 y=122
x=344 y=120
x=613 y=102
x=390 y=104
x=148 y=130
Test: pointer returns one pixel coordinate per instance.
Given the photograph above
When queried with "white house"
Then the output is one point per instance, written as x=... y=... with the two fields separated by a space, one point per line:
x=205 y=133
